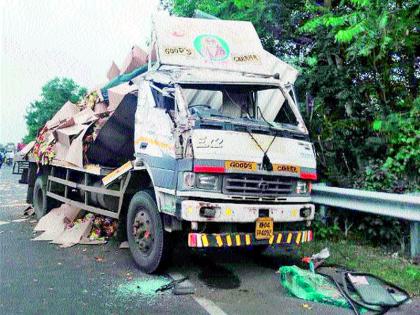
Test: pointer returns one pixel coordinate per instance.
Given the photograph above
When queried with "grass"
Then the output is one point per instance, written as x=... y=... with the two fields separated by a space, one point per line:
x=374 y=260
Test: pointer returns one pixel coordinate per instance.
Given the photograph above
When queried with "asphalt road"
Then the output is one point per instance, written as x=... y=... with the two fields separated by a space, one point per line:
x=41 y=278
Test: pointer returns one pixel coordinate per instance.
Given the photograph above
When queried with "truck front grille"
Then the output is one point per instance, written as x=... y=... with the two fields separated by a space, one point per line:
x=258 y=185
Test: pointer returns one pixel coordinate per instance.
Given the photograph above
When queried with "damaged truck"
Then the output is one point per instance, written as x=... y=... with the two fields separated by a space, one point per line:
x=206 y=142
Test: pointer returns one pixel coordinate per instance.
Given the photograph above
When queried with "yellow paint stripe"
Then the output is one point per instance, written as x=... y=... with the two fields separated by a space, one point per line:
x=205 y=240
x=271 y=240
x=247 y=239
x=279 y=238
x=154 y=142
x=228 y=240
x=238 y=240
x=298 y=237
x=289 y=238
x=219 y=240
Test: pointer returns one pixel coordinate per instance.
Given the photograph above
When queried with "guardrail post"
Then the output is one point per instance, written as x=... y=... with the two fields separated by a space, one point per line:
x=323 y=214
x=414 y=239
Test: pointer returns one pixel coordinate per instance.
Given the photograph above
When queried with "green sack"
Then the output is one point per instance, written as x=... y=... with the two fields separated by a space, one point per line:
x=311 y=286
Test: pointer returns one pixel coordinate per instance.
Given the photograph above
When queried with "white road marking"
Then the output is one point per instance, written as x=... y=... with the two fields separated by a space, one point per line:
x=16 y=205
x=4 y=222
x=209 y=306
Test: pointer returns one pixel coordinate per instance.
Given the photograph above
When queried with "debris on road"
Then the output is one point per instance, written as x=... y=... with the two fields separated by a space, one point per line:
x=310 y=286
x=181 y=285
x=124 y=245
x=73 y=234
x=306 y=306
x=99 y=259
x=53 y=223
x=171 y=285
x=103 y=228
x=146 y=287
x=344 y=288
x=316 y=259
x=61 y=226
x=29 y=211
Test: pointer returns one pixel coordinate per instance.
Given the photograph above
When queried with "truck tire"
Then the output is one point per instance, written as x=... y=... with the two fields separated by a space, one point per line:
x=148 y=242
x=40 y=202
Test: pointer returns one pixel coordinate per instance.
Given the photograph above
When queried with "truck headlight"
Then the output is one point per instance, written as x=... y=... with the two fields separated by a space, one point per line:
x=207 y=181
x=303 y=187
x=189 y=180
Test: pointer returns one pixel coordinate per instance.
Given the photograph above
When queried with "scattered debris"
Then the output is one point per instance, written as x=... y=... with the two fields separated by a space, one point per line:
x=182 y=285
x=323 y=254
x=306 y=306
x=74 y=232
x=87 y=241
x=360 y=292
x=62 y=227
x=103 y=228
x=146 y=287
x=29 y=211
x=53 y=222
x=171 y=285
x=124 y=245
x=316 y=259
x=99 y=259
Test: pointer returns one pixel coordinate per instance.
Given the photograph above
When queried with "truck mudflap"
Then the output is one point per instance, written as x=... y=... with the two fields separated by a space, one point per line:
x=203 y=240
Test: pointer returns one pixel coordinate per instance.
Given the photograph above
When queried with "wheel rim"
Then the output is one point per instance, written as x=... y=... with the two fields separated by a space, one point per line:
x=143 y=231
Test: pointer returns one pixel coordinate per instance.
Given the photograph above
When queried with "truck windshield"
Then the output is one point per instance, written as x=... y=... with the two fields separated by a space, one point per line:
x=233 y=102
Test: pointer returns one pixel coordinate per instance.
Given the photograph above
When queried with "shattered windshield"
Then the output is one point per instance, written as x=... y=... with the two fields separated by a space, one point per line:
x=246 y=102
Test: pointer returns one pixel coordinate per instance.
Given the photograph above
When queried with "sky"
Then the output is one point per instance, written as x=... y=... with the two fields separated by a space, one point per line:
x=78 y=39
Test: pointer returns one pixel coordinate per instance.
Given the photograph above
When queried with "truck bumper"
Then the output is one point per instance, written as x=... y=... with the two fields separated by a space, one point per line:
x=202 y=240
x=195 y=210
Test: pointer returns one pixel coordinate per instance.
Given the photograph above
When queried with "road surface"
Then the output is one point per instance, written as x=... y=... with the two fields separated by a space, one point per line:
x=41 y=278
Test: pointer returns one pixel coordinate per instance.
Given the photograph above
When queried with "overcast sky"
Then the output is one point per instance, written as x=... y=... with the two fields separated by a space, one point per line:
x=78 y=39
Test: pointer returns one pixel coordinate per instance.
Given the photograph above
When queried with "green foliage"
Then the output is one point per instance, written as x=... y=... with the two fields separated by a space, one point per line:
x=359 y=60
x=54 y=94
x=326 y=231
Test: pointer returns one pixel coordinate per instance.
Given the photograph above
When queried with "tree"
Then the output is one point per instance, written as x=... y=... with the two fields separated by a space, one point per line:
x=53 y=95
x=359 y=61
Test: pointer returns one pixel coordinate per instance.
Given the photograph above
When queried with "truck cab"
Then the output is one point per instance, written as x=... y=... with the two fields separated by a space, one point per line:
x=218 y=129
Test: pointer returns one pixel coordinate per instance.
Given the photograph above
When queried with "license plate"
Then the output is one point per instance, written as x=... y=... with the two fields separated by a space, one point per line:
x=264 y=228
x=240 y=165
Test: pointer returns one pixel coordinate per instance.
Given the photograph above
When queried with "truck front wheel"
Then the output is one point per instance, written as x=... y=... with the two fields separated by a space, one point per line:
x=146 y=237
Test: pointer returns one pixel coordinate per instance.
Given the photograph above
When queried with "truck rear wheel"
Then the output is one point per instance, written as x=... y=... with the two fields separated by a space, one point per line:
x=146 y=237
x=41 y=203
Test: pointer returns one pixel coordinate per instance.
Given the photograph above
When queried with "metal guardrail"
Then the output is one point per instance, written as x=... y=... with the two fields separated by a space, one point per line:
x=405 y=207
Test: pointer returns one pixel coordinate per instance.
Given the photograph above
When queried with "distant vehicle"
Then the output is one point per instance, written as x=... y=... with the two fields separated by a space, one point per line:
x=11 y=147
x=9 y=158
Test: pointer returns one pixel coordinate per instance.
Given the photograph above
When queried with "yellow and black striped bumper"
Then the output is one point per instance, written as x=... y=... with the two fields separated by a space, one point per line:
x=247 y=239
